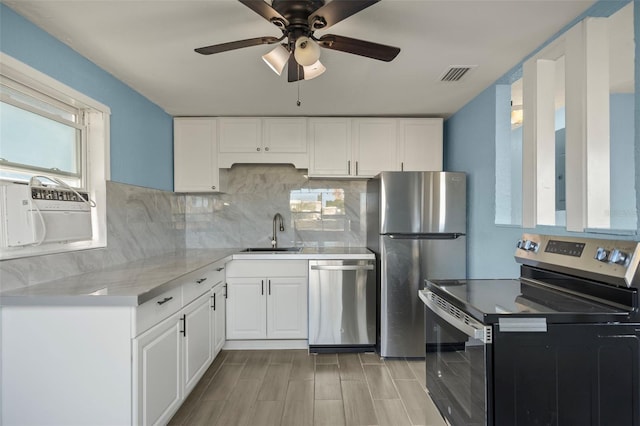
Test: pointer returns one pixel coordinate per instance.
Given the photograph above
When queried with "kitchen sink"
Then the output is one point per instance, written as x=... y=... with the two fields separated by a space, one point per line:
x=272 y=250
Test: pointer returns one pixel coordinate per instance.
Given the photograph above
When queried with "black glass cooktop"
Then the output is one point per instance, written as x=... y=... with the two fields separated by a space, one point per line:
x=487 y=300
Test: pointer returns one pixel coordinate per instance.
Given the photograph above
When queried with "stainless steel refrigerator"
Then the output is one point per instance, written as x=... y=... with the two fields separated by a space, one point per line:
x=416 y=226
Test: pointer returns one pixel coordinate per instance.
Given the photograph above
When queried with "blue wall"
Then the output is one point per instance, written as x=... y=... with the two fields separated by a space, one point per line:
x=141 y=132
x=623 y=206
x=470 y=141
x=470 y=144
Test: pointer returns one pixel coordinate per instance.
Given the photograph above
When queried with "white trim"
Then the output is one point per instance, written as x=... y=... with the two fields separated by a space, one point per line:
x=587 y=175
x=25 y=74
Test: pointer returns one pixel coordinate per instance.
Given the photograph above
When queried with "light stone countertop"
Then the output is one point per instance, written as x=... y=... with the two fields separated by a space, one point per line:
x=133 y=283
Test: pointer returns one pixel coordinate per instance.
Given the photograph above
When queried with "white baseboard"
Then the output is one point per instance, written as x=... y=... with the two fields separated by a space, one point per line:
x=266 y=344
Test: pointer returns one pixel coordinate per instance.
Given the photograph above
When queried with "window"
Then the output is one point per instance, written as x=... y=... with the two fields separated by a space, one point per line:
x=48 y=129
x=39 y=135
x=318 y=209
x=320 y=215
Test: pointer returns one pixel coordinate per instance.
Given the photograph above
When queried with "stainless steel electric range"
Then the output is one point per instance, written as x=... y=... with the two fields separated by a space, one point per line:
x=558 y=346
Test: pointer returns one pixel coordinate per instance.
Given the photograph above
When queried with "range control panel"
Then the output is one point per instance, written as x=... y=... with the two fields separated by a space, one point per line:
x=615 y=260
x=567 y=248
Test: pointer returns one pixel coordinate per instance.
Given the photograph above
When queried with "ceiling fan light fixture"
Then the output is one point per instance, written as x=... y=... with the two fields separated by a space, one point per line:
x=314 y=70
x=277 y=58
x=307 y=51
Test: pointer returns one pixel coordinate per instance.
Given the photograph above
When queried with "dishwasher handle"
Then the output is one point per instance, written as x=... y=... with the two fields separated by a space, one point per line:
x=342 y=267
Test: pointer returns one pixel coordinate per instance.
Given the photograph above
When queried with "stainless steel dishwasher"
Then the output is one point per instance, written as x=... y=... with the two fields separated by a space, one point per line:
x=342 y=305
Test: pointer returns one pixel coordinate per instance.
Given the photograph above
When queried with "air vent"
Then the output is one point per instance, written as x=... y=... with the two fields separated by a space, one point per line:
x=455 y=73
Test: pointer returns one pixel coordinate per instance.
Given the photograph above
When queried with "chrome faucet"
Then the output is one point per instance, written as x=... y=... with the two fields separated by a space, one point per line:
x=274 y=239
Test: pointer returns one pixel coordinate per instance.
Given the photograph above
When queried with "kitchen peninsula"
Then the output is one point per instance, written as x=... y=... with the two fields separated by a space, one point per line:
x=159 y=321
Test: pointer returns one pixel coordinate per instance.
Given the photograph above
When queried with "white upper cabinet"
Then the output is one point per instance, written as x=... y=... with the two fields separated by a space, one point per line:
x=373 y=146
x=419 y=144
x=284 y=135
x=329 y=146
x=240 y=135
x=195 y=155
x=262 y=140
x=364 y=147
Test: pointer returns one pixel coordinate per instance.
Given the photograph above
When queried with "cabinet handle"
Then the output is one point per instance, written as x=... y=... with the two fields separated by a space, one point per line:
x=213 y=187
x=220 y=269
x=402 y=166
x=356 y=168
x=349 y=167
x=225 y=290
x=214 y=301
x=165 y=300
x=266 y=148
x=201 y=280
x=262 y=287
x=257 y=149
x=184 y=325
x=269 y=287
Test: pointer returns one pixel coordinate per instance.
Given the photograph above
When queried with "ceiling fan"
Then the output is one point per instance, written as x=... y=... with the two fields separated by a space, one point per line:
x=298 y=20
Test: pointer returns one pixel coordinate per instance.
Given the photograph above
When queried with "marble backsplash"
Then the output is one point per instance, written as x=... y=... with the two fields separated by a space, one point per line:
x=144 y=222
x=242 y=216
x=141 y=223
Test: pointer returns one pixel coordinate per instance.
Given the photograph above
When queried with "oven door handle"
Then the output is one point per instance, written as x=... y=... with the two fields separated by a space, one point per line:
x=456 y=317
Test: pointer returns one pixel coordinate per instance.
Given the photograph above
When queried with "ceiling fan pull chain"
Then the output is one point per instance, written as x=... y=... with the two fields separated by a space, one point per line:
x=298 y=102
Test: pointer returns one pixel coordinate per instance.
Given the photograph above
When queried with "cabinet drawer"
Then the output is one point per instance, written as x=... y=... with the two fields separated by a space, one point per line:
x=196 y=284
x=267 y=268
x=157 y=309
x=217 y=274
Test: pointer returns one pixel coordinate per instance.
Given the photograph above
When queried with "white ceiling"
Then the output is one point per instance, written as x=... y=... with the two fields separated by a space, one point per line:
x=148 y=44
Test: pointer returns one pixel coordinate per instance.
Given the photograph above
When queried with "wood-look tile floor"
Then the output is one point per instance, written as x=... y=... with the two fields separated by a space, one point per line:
x=292 y=387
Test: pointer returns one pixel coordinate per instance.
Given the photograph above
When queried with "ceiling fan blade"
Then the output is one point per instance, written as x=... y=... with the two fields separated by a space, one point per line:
x=295 y=71
x=232 y=45
x=359 y=47
x=335 y=11
x=266 y=11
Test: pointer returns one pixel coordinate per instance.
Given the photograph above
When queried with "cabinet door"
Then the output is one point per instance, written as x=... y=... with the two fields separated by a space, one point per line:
x=159 y=379
x=219 y=318
x=329 y=147
x=284 y=135
x=239 y=135
x=287 y=308
x=420 y=144
x=374 y=145
x=197 y=340
x=246 y=308
x=195 y=155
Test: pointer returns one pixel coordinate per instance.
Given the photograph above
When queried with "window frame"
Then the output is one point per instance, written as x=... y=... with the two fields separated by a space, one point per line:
x=94 y=158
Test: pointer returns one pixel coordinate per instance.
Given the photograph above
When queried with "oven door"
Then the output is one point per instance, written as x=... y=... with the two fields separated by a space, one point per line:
x=458 y=362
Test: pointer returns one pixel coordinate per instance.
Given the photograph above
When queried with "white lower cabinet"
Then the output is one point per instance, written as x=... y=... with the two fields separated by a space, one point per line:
x=219 y=317
x=246 y=309
x=287 y=308
x=197 y=346
x=159 y=381
x=269 y=303
x=171 y=357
